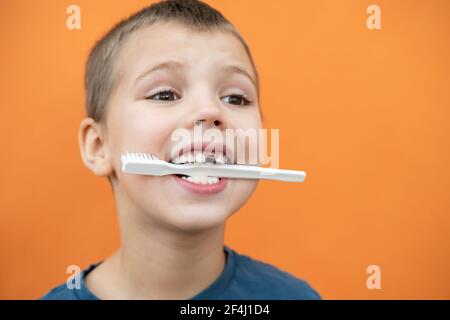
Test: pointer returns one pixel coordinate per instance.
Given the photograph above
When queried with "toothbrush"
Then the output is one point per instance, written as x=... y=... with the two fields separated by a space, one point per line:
x=148 y=164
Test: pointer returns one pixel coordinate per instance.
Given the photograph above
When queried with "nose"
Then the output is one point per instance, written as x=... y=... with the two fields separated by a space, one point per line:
x=207 y=123
x=209 y=114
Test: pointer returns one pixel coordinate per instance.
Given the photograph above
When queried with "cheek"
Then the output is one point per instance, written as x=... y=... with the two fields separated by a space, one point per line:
x=242 y=191
x=250 y=119
x=246 y=138
x=144 y=132
x=137 y=130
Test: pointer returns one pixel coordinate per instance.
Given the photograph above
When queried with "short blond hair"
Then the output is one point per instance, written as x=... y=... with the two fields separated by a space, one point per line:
x=100 y=77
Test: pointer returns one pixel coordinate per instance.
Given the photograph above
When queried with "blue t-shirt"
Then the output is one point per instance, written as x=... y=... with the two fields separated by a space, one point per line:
x=242 y=278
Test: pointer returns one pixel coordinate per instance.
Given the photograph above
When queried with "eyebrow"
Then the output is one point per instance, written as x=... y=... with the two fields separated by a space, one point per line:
x=236 y=69
x=168 y=65
x=176 y=66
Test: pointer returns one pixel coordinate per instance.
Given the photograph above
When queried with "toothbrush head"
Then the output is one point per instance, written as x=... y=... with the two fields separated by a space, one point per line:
x=135 y=156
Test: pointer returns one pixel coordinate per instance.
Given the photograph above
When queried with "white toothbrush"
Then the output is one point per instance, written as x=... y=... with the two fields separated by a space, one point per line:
x=148 y=164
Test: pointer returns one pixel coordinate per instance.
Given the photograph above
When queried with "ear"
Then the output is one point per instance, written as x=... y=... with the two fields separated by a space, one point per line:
x=93 y=148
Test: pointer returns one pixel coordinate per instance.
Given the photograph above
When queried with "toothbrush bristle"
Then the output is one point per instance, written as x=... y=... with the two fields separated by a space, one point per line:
x=138 y=156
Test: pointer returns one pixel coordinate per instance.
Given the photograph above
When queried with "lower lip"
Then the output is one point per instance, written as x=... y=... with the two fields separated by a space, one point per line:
x=202 y=188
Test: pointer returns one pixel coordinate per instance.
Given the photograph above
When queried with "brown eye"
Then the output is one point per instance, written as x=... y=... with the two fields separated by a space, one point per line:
x=164 y=95
x=237 y=99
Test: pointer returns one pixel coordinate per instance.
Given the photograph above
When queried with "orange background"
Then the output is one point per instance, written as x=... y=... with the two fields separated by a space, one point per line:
x=364 y=113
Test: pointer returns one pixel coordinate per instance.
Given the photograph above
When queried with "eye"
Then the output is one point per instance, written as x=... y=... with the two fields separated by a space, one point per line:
x=164 y=95
x=237 y=99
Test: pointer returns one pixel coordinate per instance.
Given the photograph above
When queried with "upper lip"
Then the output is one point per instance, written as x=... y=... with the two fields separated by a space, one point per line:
x=204 y=146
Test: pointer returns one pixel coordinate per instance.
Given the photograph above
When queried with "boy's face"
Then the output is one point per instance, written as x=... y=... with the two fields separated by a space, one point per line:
x=199 y=71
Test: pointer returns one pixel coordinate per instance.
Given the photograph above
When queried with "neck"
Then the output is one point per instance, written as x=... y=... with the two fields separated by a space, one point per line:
x=157 y=263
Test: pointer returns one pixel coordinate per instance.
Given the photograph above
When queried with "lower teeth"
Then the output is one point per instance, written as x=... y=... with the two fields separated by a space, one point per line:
x=201 y=180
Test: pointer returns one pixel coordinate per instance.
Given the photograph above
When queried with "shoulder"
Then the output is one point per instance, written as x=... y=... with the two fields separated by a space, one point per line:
x=61 y=292
x=265 y=281
x=80 y=292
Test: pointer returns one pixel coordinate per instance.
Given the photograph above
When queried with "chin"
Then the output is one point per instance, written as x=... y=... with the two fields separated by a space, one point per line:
x=197 y=218
x=187 y=212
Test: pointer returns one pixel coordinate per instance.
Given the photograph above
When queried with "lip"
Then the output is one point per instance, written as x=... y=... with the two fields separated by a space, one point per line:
x=201 y=188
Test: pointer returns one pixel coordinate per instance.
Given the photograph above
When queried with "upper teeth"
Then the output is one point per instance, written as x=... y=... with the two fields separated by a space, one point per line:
x=199 y=157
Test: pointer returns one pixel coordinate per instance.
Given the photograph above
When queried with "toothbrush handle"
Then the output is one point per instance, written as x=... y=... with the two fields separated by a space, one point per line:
x=241 y=172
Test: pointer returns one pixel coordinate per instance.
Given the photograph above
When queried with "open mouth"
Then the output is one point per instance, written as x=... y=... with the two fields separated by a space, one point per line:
x=200 y=157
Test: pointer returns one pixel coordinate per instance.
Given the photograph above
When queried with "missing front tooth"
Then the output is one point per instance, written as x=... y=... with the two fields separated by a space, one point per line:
x=210 y=159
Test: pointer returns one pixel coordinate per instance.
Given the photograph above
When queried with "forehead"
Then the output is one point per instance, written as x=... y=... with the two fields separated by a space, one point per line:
x=171 y=41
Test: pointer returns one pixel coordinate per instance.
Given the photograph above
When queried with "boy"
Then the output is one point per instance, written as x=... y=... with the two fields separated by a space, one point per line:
x=175 y=64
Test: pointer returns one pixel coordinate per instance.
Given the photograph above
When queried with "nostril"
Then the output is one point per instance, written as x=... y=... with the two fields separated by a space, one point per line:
x=217 y=123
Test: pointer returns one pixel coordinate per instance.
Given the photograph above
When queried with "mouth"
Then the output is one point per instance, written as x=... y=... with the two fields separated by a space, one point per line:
x=200 y=155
